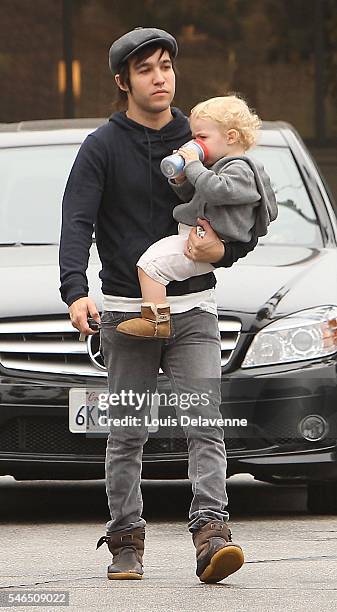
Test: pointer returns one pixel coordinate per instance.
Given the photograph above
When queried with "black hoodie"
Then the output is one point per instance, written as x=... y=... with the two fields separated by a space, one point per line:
x=116 y=185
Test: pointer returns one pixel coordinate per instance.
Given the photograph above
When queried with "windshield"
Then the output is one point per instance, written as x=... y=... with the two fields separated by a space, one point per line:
x=297 y=223
x=32 y=183
x=33 y=179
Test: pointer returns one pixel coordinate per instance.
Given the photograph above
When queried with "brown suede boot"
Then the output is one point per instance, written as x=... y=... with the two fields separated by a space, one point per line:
x=127 y=548
x=155 y=322
x=217 y=556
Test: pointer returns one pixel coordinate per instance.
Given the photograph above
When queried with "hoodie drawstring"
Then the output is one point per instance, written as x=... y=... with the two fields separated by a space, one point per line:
x=150 y=174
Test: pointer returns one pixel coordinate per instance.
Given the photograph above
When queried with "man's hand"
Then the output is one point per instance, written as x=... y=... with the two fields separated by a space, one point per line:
x=208 y=249
x=79 y=312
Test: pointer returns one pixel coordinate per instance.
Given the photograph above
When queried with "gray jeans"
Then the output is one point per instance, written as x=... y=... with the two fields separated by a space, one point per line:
x=191 y=361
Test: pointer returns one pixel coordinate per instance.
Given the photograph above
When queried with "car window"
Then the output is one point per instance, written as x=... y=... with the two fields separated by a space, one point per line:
x=32 y=182
x=297 y=221
x=33 y=179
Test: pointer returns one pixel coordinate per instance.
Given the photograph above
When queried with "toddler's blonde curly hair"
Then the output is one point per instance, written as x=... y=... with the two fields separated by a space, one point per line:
x=230 y=112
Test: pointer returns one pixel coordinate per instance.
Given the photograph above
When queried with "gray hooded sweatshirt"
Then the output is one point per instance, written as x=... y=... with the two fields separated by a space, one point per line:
x=235 y=195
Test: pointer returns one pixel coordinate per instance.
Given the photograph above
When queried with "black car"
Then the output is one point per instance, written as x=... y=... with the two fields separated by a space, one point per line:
x=277 y=319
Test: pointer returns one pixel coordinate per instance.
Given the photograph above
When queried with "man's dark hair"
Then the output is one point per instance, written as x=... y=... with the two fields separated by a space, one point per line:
x=121 y=100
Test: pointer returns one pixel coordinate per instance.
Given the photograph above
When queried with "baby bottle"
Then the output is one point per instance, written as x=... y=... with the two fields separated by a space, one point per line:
x=173 y=165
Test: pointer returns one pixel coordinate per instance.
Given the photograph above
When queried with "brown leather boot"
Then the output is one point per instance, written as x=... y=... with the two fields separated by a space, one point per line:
x=154 y=323
x=217 y=556
x=127 y=548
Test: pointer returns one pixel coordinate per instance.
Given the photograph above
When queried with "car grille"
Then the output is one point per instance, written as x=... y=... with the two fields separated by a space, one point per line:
x=52 y=346
x=230 y=330
x=45 y=346
x=51 y=436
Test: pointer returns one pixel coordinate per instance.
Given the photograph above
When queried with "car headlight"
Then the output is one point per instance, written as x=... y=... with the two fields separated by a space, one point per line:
x=307 y=334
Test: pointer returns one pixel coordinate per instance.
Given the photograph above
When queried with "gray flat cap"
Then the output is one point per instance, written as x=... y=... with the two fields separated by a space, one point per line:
x=128 y=44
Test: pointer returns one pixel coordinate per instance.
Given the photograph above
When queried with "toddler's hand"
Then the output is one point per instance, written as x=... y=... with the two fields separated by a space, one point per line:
x=181 y=178
x=189 y=154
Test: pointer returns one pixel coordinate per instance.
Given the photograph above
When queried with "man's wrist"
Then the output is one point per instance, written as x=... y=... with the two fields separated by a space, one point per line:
x=74 y=297
x=217 y=263
x=223 y=259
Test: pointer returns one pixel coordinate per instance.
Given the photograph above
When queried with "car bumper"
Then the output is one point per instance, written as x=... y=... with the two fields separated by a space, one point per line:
x=35 y=441
x=320 y=465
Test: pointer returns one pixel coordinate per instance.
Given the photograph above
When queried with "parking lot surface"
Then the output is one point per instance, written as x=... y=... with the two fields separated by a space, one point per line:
x=49 y=532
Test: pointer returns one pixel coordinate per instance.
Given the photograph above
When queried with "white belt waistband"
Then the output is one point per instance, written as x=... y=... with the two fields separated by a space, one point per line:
x=178 y=303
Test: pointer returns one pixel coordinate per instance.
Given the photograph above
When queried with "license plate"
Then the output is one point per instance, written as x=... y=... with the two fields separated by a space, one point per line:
x=86 y=414
x=84 y=411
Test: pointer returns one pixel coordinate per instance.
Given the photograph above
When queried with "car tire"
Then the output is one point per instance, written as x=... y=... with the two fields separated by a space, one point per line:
x=322 y=498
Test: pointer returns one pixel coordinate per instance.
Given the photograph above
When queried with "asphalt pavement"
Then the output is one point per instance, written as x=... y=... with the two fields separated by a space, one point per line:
x=48 y=543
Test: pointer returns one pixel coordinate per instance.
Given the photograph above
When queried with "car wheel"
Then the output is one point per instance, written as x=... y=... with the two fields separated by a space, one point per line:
x=322 y=498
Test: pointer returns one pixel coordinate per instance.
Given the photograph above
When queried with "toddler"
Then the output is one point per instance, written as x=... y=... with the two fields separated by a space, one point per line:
x=229 y=189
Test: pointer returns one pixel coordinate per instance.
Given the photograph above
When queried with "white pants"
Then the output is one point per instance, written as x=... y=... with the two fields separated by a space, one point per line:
x=164 y=261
